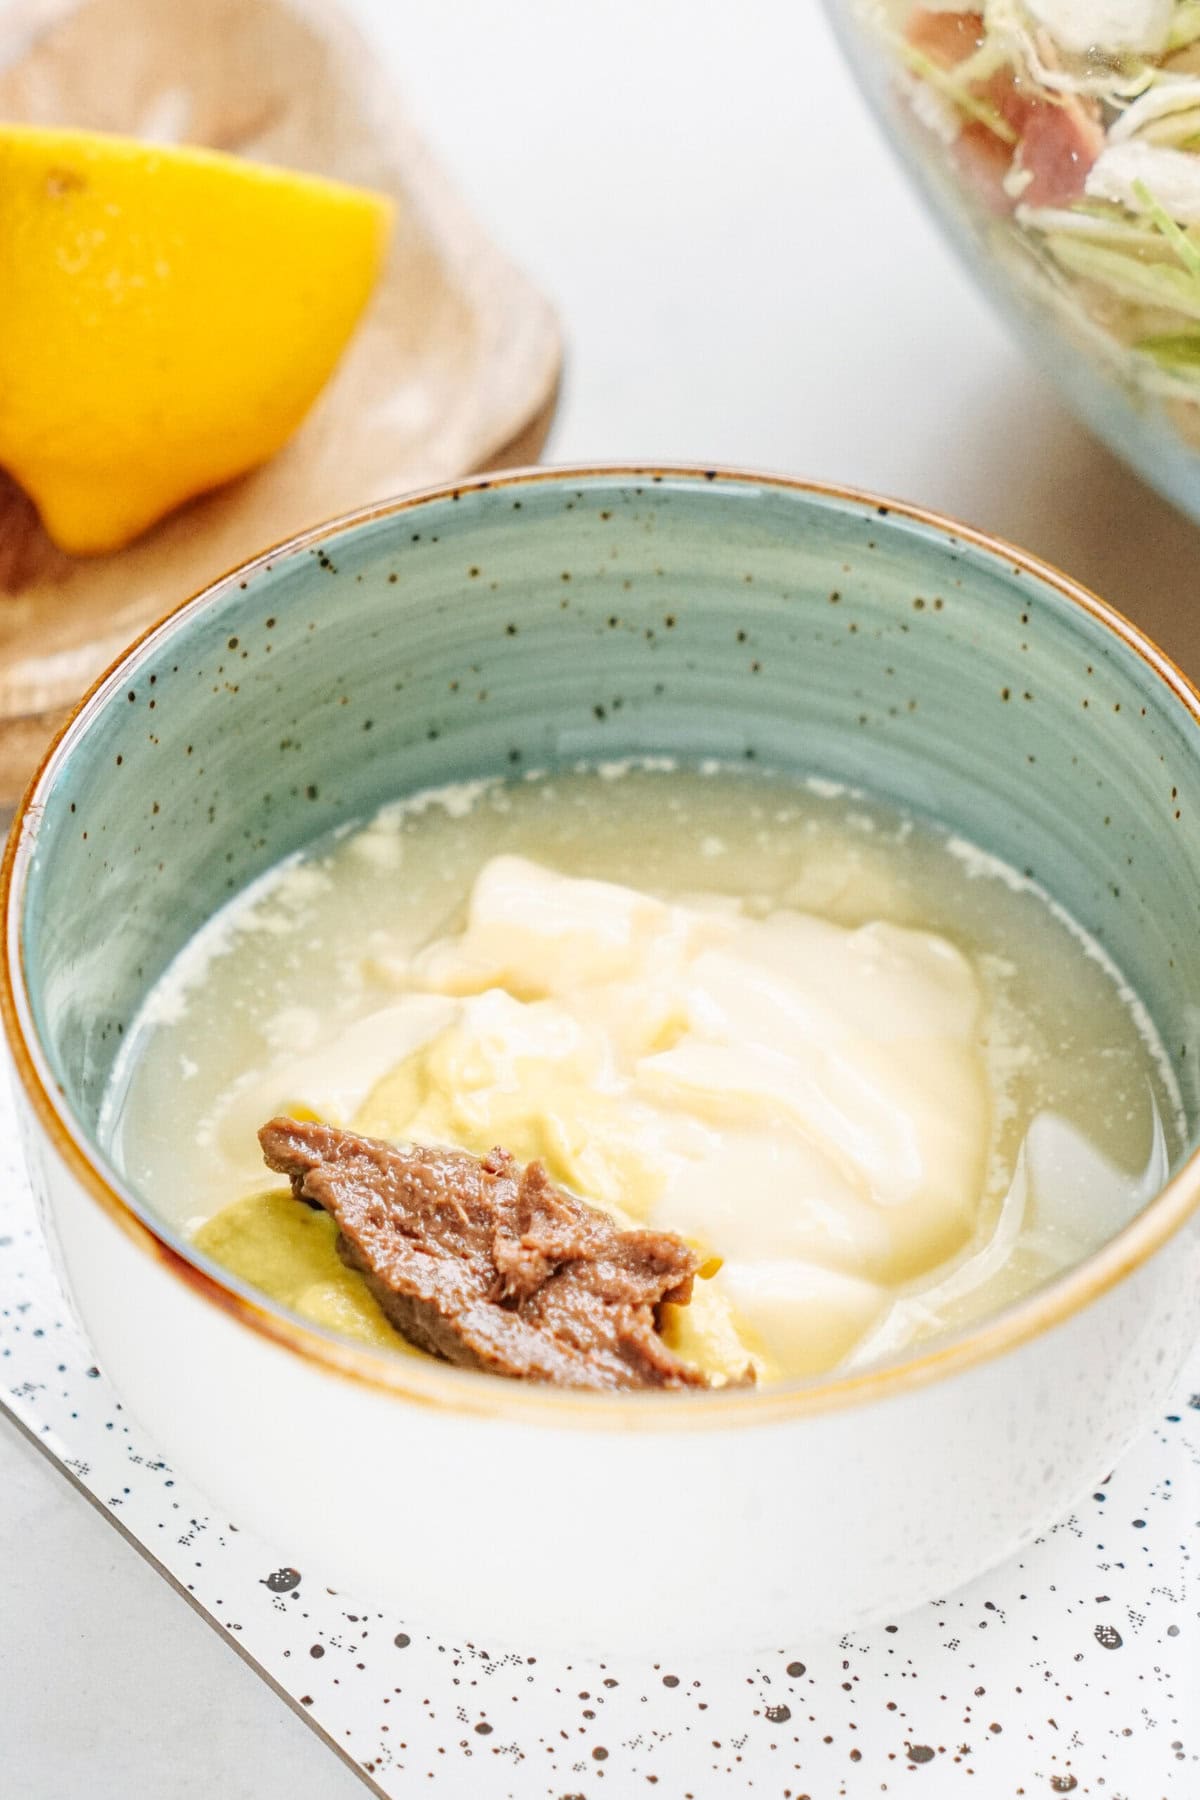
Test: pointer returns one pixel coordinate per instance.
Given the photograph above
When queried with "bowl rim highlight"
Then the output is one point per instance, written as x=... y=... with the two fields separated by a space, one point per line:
x=426 y=1382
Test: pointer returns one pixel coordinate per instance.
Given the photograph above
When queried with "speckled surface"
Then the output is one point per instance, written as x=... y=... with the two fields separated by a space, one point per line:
x=581 y=616
x=1075 y=1669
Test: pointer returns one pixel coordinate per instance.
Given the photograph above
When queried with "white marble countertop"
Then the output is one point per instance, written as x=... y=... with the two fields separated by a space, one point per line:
x=744 y=278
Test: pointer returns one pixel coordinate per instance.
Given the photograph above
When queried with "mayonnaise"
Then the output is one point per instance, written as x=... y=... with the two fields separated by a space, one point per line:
x=806 y=1102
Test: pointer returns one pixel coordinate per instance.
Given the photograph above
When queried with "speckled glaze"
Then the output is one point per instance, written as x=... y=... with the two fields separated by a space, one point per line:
x=536 y=620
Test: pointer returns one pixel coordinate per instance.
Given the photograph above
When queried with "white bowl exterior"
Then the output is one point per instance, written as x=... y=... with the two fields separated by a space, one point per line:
x=501 y=1532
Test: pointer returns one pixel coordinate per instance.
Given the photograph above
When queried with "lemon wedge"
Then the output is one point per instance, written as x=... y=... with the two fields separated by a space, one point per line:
x=167 y=318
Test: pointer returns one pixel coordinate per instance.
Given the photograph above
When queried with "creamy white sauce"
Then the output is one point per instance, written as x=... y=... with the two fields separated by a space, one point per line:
x=877 y=1077
x=805 y=1101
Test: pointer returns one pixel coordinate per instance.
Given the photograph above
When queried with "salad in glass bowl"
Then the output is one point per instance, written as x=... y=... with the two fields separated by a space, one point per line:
x=1060 y=139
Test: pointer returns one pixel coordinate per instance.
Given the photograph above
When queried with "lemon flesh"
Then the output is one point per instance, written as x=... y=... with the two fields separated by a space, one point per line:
x=167 y=318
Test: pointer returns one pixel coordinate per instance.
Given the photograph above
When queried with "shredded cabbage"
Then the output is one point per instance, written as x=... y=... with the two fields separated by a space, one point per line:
x=1177 y=352
x=1185 y=26
x=1123 y=78
x=1100 y=223
x=947 y=83
x=1163 y=112
x=1179 y=240
x=1157 y=284
x=1124 y=258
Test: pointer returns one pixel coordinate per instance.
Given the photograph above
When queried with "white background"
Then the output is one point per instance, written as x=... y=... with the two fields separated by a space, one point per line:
x=743 y=277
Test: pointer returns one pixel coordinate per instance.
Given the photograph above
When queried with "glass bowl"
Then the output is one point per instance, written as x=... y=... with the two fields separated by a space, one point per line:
x=1058 y=141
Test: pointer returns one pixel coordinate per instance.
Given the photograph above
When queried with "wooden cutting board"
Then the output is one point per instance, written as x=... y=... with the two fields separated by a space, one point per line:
x=454 y=368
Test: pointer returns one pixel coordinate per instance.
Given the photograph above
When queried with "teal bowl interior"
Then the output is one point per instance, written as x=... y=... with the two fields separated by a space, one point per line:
x=545 y=619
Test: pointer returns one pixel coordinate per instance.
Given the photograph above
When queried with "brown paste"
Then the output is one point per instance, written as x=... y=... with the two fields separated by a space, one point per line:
x=492 y=1266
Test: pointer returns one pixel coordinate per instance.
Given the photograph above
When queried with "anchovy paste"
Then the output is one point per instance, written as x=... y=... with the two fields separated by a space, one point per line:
x=492 y=1266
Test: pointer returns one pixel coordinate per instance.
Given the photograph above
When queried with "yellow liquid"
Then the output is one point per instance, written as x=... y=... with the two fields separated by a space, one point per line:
x=316 y=945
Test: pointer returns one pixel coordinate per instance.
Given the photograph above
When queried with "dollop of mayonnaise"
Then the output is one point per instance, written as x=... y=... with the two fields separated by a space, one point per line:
x=807 y=1103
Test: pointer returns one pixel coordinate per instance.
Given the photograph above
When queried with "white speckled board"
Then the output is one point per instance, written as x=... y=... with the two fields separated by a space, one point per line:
x=1073 y=1670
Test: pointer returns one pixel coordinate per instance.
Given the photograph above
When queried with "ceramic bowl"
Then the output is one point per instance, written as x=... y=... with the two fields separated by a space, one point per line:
x=538 y=619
